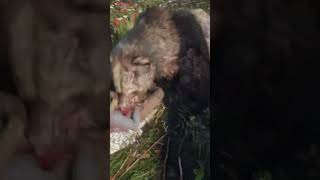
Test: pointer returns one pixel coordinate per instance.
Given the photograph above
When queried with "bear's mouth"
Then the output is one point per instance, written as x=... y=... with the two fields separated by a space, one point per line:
x=127 y=104
x=126 y=111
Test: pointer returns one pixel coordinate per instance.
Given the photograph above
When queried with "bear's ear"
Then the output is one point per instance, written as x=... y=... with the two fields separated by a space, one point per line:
x=154 y=16
x=170 y=67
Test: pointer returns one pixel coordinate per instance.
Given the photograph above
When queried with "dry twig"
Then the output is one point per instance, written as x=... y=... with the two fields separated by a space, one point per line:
x=180 y=168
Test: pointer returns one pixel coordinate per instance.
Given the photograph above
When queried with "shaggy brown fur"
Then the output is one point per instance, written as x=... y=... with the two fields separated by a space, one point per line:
x=163 y=45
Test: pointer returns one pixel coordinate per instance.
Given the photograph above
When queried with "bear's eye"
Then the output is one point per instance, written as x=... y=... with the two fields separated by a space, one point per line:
x=141 y=61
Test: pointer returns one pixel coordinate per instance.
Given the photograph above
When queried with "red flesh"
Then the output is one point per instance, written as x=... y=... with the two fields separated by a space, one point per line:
x=128 y=104
x=126 y=111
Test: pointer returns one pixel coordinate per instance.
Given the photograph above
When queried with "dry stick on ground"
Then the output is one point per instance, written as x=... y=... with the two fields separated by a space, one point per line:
x=143 y=155
x=180 y=168
x=165 y=160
